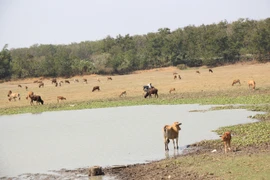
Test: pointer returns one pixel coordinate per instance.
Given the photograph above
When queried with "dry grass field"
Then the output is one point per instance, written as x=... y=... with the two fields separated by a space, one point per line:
x=162 y=79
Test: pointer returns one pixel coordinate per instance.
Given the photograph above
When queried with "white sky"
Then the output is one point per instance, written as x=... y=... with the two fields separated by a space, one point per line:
x=27 y=22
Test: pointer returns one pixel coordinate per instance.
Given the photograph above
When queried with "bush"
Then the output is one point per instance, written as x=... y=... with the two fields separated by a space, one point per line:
x=181 y=66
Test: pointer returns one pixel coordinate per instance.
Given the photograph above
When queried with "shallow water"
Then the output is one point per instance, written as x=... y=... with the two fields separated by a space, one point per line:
x=37 y=143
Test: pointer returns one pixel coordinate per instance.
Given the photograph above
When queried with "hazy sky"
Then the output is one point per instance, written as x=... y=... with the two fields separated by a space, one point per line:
x=27 y=22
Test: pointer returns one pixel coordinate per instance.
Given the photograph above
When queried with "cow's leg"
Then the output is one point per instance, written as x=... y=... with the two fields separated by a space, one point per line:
x=166 y=144
x=173 y=143
x=229 y=145
x=225 y=146
x=177 y=143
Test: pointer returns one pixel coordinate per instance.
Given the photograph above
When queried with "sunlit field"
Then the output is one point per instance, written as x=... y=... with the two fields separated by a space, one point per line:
x=163 y=79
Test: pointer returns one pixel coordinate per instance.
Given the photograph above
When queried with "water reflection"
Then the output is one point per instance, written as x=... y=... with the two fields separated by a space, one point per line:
x=105 y=137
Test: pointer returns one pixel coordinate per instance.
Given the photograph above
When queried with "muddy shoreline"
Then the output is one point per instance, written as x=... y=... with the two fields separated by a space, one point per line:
x=160 y=169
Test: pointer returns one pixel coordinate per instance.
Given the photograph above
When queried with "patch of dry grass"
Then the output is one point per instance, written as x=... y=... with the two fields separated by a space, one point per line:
x=162 y=79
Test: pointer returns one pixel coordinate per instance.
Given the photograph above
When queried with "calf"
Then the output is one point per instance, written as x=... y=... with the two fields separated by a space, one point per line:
x=236 y=81
x=172 y=89
x=226 y=138
x=60 y=98
x=123 y=93
x=95 y=88
x=252 y=84
x=171 y=132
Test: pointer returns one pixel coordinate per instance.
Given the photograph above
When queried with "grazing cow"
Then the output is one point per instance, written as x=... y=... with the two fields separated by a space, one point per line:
x=175 y=77
x=41 y=85
x=67 y=81
x=109 y=78
x=252 y=84
x=30 y=93
x=226 y=139
x=151 y=91
x=36 y=98
x=236 y=81
x=210 y=70
x=13 y=96
x=123 y=93
x=85 y=81
x=54 y=80
x=26 y=88
x=179 y=77
x=60 y=98
x=96 y=88
x=198 y=72
x=172 y=89
x=19 y=85
x=171 y=132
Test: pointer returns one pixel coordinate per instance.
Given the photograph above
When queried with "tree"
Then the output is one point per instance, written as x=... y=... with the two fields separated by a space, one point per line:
x=5 y=59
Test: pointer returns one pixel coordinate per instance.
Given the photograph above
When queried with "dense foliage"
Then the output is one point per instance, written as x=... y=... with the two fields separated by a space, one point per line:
x=210 y=45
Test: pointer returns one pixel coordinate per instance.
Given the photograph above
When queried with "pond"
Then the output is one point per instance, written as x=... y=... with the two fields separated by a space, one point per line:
x=37 y=143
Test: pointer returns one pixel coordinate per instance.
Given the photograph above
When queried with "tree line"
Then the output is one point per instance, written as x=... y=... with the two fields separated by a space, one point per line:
x=211 y=45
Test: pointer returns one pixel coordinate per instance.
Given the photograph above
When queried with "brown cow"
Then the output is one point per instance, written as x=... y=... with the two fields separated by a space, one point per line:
x=172 y=89
x=252 y=84
x=67 y=81
x=36 y=98
x=175 y=77
x=151 y=91
x=210 y=70
x=109 y=78
x=198 y=72
x=60 y=98
x=96 y=88
x=13 y=96
x=19 y=85
x=236 y=81
x=226 y=138
x=30 y=93
x=123 y=93
x=41 y=85
x=26 y=88
x=54 y=80
x=171 y=132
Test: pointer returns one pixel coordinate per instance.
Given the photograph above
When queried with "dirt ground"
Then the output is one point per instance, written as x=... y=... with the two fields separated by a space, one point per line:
x=162 y=79
x=220 y=80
